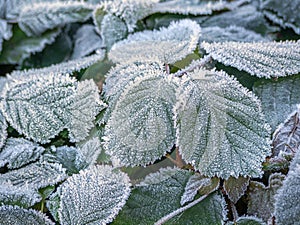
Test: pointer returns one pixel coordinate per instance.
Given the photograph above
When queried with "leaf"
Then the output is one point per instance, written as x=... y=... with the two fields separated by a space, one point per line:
x=247 y=220
x=23 y=197
x=5 y=29
x=287 y=201
x=86 y=41
x=18 y=152
x=111 y=28
x=220 y=127
x=231 y=33
x=3 y=129
x=90 y=150
x=20 y=47
x=283 y=13
x=236 y=187
x=53 y=204
x=198 y=184
x=142 y=117
x=35 y=175
x=167 y=44
x=286 y=139
x=266 y=59
x=39 y=17
x=17 y=215
x=261 y=197
x=279 y=98
x=94 y=196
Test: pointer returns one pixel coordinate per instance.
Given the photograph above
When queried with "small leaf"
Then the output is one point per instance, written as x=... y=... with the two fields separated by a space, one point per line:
x=262 y=59
x=53 y=204
x=5 y=28
x=167 y=44
x=142 y=117
x=3 y=131
x=86 y=41
x=236 y=187
x=41 y=16
x=261 y=198
x=220 y=127
x=90 y=150
x=247 y=220
x=17 y=215
x=94 y=196
x=198 y=184
x=18 y=152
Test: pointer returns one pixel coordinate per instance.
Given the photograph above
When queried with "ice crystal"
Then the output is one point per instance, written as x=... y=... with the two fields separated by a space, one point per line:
x=18 y=152
x=220 y=127
x=266 y=59
x=94 y=196
x=17 y=215
x=140 y=129
x=167 y=45
x=236 y=187
x=39 y=17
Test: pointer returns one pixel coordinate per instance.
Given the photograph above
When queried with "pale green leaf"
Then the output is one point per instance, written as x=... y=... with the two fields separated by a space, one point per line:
x=236 y=187
x=247 y=220
x=279 y=98
x=18 y=152
x=167 y=45
x=95 y=196
x=220 y=127
x=262 y=59
x=17 y=215
x=3 y=131
x=261 y=197
x=90 y=150
x=140 y=129
x=41 y=16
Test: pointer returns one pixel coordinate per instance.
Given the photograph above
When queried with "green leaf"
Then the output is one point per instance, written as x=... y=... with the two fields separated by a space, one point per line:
x=283 y=13
x=167 y=45
x=261 y=197
x=3 y=129
x=220 y=127
x=20 y=47
x=39 y=17
x=247 y=220
x=236 y=187
x=94 y=196
x=262 y=59
x=18 y=152
x=17 y=215
x=142 y=116
x=279 y=98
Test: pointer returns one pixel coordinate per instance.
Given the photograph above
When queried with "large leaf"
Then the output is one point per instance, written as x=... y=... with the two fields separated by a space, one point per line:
x=220 y=127
x=266 y=59
x=17 y=215
x=167 y=44
x=94 y=196
x=39 y=17
x=3 y=127
x=279 y=98
x=283 y=13
x=236 y=187
x=261 y=197
x=18 y=152
x=140 y=129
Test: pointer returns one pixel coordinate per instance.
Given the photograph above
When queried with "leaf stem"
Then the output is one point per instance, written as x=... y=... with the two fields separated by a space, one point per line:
x=234 y=211
x=180 y=210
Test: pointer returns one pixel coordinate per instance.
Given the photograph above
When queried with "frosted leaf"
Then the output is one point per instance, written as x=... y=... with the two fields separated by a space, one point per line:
x=64 y=67
x=266 y=59
x=16 y=215
x=111 y=28
x=130 y=11
x=18 y=152
x=279 y=98
x=86 y=41
x=220 y=127
x=2 y=8
x=53 y=204
x=261 y=198
x=247 y=220
x=94 y=196
x=37 y=18
x=3 y=127
x=195 y=7
x=167 y=45
x=3 y=81
x=20 y=47
x=24 y=197
x=236 y=187
x=231 y=33
x=286 y=138
x=283 y=13
x=198 y=183
x=140 y=129
x=35 y=175
x=5 y=29
x=90 y=150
